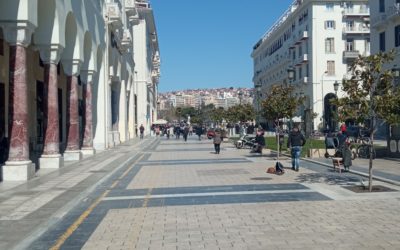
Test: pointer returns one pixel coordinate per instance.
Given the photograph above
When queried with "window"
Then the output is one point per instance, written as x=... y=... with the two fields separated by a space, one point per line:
x=330 y=45
x=330 y=25
x=331 y=68
x=300 y=73
x=300 y=51
x=381 y=6
x=350 y=44
x=397 y=36
x=349 y=7
x=350 y=25
x=307 y=69
x=329 y=7
x=382 y=41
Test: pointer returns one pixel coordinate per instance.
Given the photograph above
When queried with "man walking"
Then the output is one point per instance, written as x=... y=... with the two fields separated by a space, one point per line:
x=295 y=141
x=141 y=129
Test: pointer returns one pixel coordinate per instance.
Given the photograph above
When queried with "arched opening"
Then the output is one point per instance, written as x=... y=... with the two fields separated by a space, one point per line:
x=330 y=113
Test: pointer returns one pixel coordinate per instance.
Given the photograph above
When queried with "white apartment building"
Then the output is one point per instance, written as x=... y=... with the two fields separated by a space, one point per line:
x=318 y=40
x=385 y=36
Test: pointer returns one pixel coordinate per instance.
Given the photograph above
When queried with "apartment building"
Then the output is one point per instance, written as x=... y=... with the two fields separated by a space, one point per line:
x=317 y=41
x=385 y=36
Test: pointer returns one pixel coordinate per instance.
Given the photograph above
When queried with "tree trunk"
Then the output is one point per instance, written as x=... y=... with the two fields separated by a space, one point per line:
x=371 y=152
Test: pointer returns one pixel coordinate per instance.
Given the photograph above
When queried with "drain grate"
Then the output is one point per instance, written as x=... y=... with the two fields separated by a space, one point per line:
x=98 y=171
x=222 y=172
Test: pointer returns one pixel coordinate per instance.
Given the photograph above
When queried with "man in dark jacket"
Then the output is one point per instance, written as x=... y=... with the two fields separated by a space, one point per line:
x=295 y=141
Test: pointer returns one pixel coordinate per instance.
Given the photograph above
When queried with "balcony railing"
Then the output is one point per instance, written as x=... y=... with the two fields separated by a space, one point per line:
x=130 y=7
x=114 y=14
x=351 y=54
x=393 y=12
x=355 y=12
x=379 y=20
x=356 y=30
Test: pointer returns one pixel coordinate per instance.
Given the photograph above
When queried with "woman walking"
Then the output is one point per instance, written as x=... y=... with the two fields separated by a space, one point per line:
x=217 y=141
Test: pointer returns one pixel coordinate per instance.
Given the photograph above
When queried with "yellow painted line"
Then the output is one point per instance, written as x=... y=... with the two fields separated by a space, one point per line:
x=71 y=229
x=77 y=223
x=147 y=198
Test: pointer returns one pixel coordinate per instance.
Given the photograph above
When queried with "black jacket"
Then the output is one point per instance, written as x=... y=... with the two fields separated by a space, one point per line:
x=296 y=139
x=260 y=140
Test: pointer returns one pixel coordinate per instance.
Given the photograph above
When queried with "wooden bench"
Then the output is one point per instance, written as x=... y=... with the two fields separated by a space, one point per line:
x=337 y=163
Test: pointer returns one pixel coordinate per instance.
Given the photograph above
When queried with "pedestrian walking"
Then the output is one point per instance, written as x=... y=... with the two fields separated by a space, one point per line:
x=217 y=141
x=141 y=129
x=296 y=141
x=199 y=132
x=185 y=132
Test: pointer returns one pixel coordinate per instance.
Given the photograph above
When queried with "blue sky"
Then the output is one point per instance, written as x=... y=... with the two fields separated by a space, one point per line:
x=207 y=43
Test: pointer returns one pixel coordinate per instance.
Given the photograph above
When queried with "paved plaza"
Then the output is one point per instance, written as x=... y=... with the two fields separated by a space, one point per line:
x=170 y=194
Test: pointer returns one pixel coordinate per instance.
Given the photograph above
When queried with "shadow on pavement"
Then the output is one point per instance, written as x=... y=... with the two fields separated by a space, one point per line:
x=327 y=178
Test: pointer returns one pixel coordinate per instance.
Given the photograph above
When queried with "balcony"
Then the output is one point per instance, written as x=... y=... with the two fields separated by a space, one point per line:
x=353 y=54
x=379 y=21
x=393 y=13
x=143 y=6
x=130 y=8
x=126 y=41
x=356 y=13
x=304 y=35
x=356 y=30
x=114 y=15
x=302 y=59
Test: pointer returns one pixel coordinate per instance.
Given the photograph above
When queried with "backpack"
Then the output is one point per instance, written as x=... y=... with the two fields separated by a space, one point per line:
x=279 y=168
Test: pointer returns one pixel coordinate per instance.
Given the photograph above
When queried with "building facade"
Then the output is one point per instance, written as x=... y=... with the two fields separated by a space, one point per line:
x=318 y=40
x=385 y=36
x=71 y=79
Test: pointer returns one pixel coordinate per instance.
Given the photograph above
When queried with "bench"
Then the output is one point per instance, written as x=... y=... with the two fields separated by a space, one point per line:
x=337 y=163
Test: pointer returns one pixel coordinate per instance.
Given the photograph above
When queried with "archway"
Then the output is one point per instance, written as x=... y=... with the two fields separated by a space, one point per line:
x=330 y=113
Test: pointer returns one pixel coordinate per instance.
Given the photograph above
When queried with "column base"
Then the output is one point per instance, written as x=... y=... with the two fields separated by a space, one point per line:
x=72 y=155
x=88 y=151
x=51 y=161
x=18 y=171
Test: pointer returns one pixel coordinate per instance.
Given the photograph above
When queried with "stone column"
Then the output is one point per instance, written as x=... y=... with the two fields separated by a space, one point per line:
x=72 y=152
x=87 y=148
x=51 y=157
x=122 y=114
x=18 y=167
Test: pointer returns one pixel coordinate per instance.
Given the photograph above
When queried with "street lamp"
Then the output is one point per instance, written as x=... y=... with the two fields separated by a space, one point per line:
x=396 y=75
x=257 y=87
x=336 y=87
x=290 y=72
x=240 y=97
x=322 y=100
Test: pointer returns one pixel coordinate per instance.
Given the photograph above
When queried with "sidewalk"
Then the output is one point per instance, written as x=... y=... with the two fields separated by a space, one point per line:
x=25 y=207
x=386 y=169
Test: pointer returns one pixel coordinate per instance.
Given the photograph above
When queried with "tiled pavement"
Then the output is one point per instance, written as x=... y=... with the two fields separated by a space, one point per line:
x=168 y=194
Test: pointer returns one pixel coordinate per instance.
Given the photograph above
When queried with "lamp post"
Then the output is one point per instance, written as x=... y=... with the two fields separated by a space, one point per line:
x=322 y=101
x=290 y=72
x=258 y=90
x=396 y=75
x=336 y=87
x=240 y=97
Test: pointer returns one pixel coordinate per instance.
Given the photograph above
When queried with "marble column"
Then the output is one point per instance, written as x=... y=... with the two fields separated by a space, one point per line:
x=18 y=167
x=87 y=148
x=122 y=113
x=51 y=157
x=72 y=152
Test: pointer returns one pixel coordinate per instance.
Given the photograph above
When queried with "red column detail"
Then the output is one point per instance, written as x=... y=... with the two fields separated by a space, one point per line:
x=18 y=107
x=73 y=114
